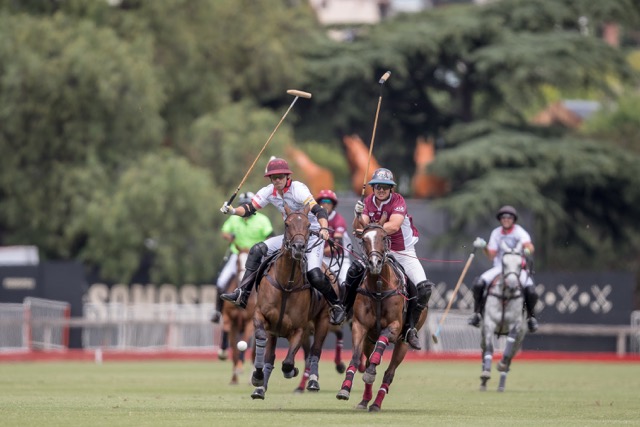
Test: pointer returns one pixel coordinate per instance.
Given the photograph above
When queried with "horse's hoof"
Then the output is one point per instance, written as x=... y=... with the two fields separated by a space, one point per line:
x=222 y=354
x=258 y=393
x=257 y=379
x=343 y=395
x=313 y=385
x=374 y=408
x=341 y=367
x=298 y=390
x=368 y=377
x=292 y=373
x=500 y=389
x=363 y=405
x=483 y=388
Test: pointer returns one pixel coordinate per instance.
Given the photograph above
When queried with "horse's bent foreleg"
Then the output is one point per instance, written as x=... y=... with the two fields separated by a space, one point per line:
x=289 y=369
x=399 y=352
x=374 y=360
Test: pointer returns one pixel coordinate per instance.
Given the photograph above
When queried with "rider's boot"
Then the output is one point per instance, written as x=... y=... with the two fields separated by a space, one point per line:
x=530 y=301
x=414 y=311
x=355 y=274
x=240 y=296
x=478 y=293
x=321 y=282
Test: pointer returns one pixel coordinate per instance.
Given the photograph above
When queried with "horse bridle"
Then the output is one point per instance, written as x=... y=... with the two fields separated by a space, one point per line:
x=386 y=240
x=288 y=239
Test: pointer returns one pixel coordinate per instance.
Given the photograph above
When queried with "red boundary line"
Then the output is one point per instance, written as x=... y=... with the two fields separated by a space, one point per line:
x=108 y=355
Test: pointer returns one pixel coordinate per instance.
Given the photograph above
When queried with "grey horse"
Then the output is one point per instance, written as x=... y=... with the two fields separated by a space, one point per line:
x=503 y=315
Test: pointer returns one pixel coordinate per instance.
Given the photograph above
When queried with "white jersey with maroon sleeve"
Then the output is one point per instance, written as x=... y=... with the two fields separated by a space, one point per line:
x=296 y=196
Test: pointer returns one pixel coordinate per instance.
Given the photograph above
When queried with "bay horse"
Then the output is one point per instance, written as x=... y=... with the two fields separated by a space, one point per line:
x=503 y=315
x=337 y=330
x=287 y=305
x=238 y=322
x=377 y=318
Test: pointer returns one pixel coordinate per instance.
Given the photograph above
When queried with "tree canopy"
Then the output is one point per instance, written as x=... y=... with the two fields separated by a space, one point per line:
x=126 y=124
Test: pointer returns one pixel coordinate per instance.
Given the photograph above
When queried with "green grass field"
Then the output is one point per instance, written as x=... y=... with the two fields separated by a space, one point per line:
x=188 y=393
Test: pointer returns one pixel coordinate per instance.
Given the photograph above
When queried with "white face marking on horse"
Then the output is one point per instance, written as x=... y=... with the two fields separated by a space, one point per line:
x=369 y=237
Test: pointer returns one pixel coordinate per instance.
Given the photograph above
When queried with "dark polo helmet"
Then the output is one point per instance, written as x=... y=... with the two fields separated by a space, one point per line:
x=506 y=209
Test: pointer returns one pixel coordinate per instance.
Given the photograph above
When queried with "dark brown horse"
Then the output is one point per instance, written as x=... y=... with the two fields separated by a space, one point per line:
x=335 y=329
x=237 y=322
x=377 y=318
x=286 y=306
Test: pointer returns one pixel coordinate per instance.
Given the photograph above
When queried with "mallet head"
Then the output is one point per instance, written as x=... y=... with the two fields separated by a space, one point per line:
x=299 y=93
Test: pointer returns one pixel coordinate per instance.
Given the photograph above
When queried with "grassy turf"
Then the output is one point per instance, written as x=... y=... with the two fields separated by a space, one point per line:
x=424 y=393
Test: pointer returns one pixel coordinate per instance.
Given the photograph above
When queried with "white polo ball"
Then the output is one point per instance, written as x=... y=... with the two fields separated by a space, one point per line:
x=242 y=345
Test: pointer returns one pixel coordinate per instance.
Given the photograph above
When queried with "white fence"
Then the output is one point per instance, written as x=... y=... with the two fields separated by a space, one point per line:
x=150 y=326
x=37 y=323
x=44 y=325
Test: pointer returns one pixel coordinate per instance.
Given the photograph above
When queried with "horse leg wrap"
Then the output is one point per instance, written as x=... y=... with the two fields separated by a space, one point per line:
x=268 y=367
x=338 y=356
x=486 y=362
x=381 y=345
x=261 y=343
x=382 y=392
x=348 y=380
x=313 y=365
x=368 y=392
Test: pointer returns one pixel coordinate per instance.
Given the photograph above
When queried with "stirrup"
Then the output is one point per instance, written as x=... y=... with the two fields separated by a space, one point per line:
x=532 y=323
x=237 y=297
x=411 y=338
x=474 y=320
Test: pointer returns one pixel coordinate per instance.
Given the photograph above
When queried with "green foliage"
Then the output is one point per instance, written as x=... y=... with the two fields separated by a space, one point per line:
x=618 y=123
x=160 y=207
x=463 y=64
x=566 y=182
x=67 y=98
x=229 y=141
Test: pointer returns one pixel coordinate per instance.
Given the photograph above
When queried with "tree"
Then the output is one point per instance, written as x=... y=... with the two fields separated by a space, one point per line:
x=68 y=100
x=462 y=64
x=161 y=211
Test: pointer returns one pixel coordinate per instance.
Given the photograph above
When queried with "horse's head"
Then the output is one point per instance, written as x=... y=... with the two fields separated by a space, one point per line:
x=375 y=244
x=512 y=263
x=296 y=232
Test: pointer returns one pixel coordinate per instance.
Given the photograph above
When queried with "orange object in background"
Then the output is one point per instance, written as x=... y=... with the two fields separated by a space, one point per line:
x=315 y=177
x=424 y=184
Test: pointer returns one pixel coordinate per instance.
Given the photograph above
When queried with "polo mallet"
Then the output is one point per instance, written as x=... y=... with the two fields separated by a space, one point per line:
x=382 y=80
x=453 y=296
x=297 y=94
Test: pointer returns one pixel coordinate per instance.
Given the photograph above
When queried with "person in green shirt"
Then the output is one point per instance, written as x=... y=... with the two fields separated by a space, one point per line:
x=242 y=234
